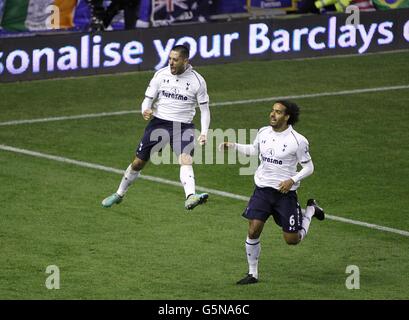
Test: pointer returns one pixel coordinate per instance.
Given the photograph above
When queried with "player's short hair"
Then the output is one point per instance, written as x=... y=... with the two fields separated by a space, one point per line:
x=291 y=109
x=183 y=51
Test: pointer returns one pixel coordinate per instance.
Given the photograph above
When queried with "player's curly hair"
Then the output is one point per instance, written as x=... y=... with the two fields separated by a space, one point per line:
x=183 y=51
x=291 y=109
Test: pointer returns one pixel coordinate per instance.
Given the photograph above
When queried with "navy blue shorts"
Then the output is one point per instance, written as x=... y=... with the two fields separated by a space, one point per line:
x=160 y=132
x=283 y=207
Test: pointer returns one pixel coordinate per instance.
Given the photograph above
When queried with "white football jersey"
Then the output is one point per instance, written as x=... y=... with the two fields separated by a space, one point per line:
x=279 y=154
x=176 y=96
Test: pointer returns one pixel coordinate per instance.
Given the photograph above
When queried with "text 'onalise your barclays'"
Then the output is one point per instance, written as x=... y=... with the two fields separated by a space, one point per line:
x=94 y=52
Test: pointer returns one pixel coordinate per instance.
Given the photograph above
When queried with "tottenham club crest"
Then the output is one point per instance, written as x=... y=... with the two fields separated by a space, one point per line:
x=270 y=152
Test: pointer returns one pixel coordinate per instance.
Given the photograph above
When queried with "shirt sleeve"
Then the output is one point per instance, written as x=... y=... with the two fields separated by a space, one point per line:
x=307 y=170
x=204 y=118
x=202 y=96
x=304 y=158
x=303 y=152
x=248 y=149
x=146 y=104
x=153 y=88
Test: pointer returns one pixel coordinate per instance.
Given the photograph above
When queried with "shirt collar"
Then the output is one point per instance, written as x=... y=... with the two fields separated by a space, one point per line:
x=283 y=133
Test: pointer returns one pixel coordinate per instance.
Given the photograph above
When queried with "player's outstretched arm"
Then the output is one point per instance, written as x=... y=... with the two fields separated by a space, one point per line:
x=226 y=145
x=204 y=122
x=247 y=149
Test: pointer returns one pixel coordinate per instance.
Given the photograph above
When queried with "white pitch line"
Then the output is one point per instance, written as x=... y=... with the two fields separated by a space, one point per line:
x=215 y=104
x=178 y=184
x=313 y=95
x=368 y=225
x=80 y=116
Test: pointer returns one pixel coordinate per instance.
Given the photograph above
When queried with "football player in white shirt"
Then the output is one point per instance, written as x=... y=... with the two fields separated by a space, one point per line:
x=170 y=102
x=280 y=149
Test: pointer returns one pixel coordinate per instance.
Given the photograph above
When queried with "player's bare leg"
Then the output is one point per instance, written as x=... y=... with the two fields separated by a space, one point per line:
x=130 y=175
x=312 y=210
x=253 y=249
x=187 y=178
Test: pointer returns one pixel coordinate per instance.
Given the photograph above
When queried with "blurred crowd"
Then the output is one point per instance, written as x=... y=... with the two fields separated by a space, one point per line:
x=98 y=15
x=323 y=6
x=143 y=13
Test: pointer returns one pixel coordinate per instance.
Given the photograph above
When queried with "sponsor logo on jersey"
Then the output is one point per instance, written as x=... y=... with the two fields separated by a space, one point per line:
x=172 y=95
x=268 y=156
x=271 y=160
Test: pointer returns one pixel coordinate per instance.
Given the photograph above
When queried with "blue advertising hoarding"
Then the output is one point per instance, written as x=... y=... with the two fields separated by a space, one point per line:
x=76 y=54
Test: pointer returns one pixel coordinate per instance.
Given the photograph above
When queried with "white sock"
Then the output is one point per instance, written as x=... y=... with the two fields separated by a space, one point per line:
x=306 y=220
x=253 y=252
x=187 y=178
x=129 y=177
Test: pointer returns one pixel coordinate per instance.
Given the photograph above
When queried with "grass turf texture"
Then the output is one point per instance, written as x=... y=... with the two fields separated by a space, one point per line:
x=149 y=247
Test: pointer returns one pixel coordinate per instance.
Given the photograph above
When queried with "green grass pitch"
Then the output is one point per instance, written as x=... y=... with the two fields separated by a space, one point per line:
x=150 y=247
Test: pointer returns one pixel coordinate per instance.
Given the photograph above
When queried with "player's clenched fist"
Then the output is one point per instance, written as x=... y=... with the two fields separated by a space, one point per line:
x=147 y=114
x=202 y=139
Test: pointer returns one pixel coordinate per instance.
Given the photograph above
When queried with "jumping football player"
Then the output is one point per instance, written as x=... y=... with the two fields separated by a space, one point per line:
x=170 y=105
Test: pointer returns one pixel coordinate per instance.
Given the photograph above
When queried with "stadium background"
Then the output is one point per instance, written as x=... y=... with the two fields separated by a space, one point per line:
x=65 y=142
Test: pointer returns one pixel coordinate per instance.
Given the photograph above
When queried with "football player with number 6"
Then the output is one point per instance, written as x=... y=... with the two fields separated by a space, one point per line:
x=280 y=149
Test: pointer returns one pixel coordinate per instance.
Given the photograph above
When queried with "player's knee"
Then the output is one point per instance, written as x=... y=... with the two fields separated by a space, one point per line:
x=255 y=229
x=252 y=234
x=138 y=164
x=291 y=238
x=185 y=159
x=292 y=242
